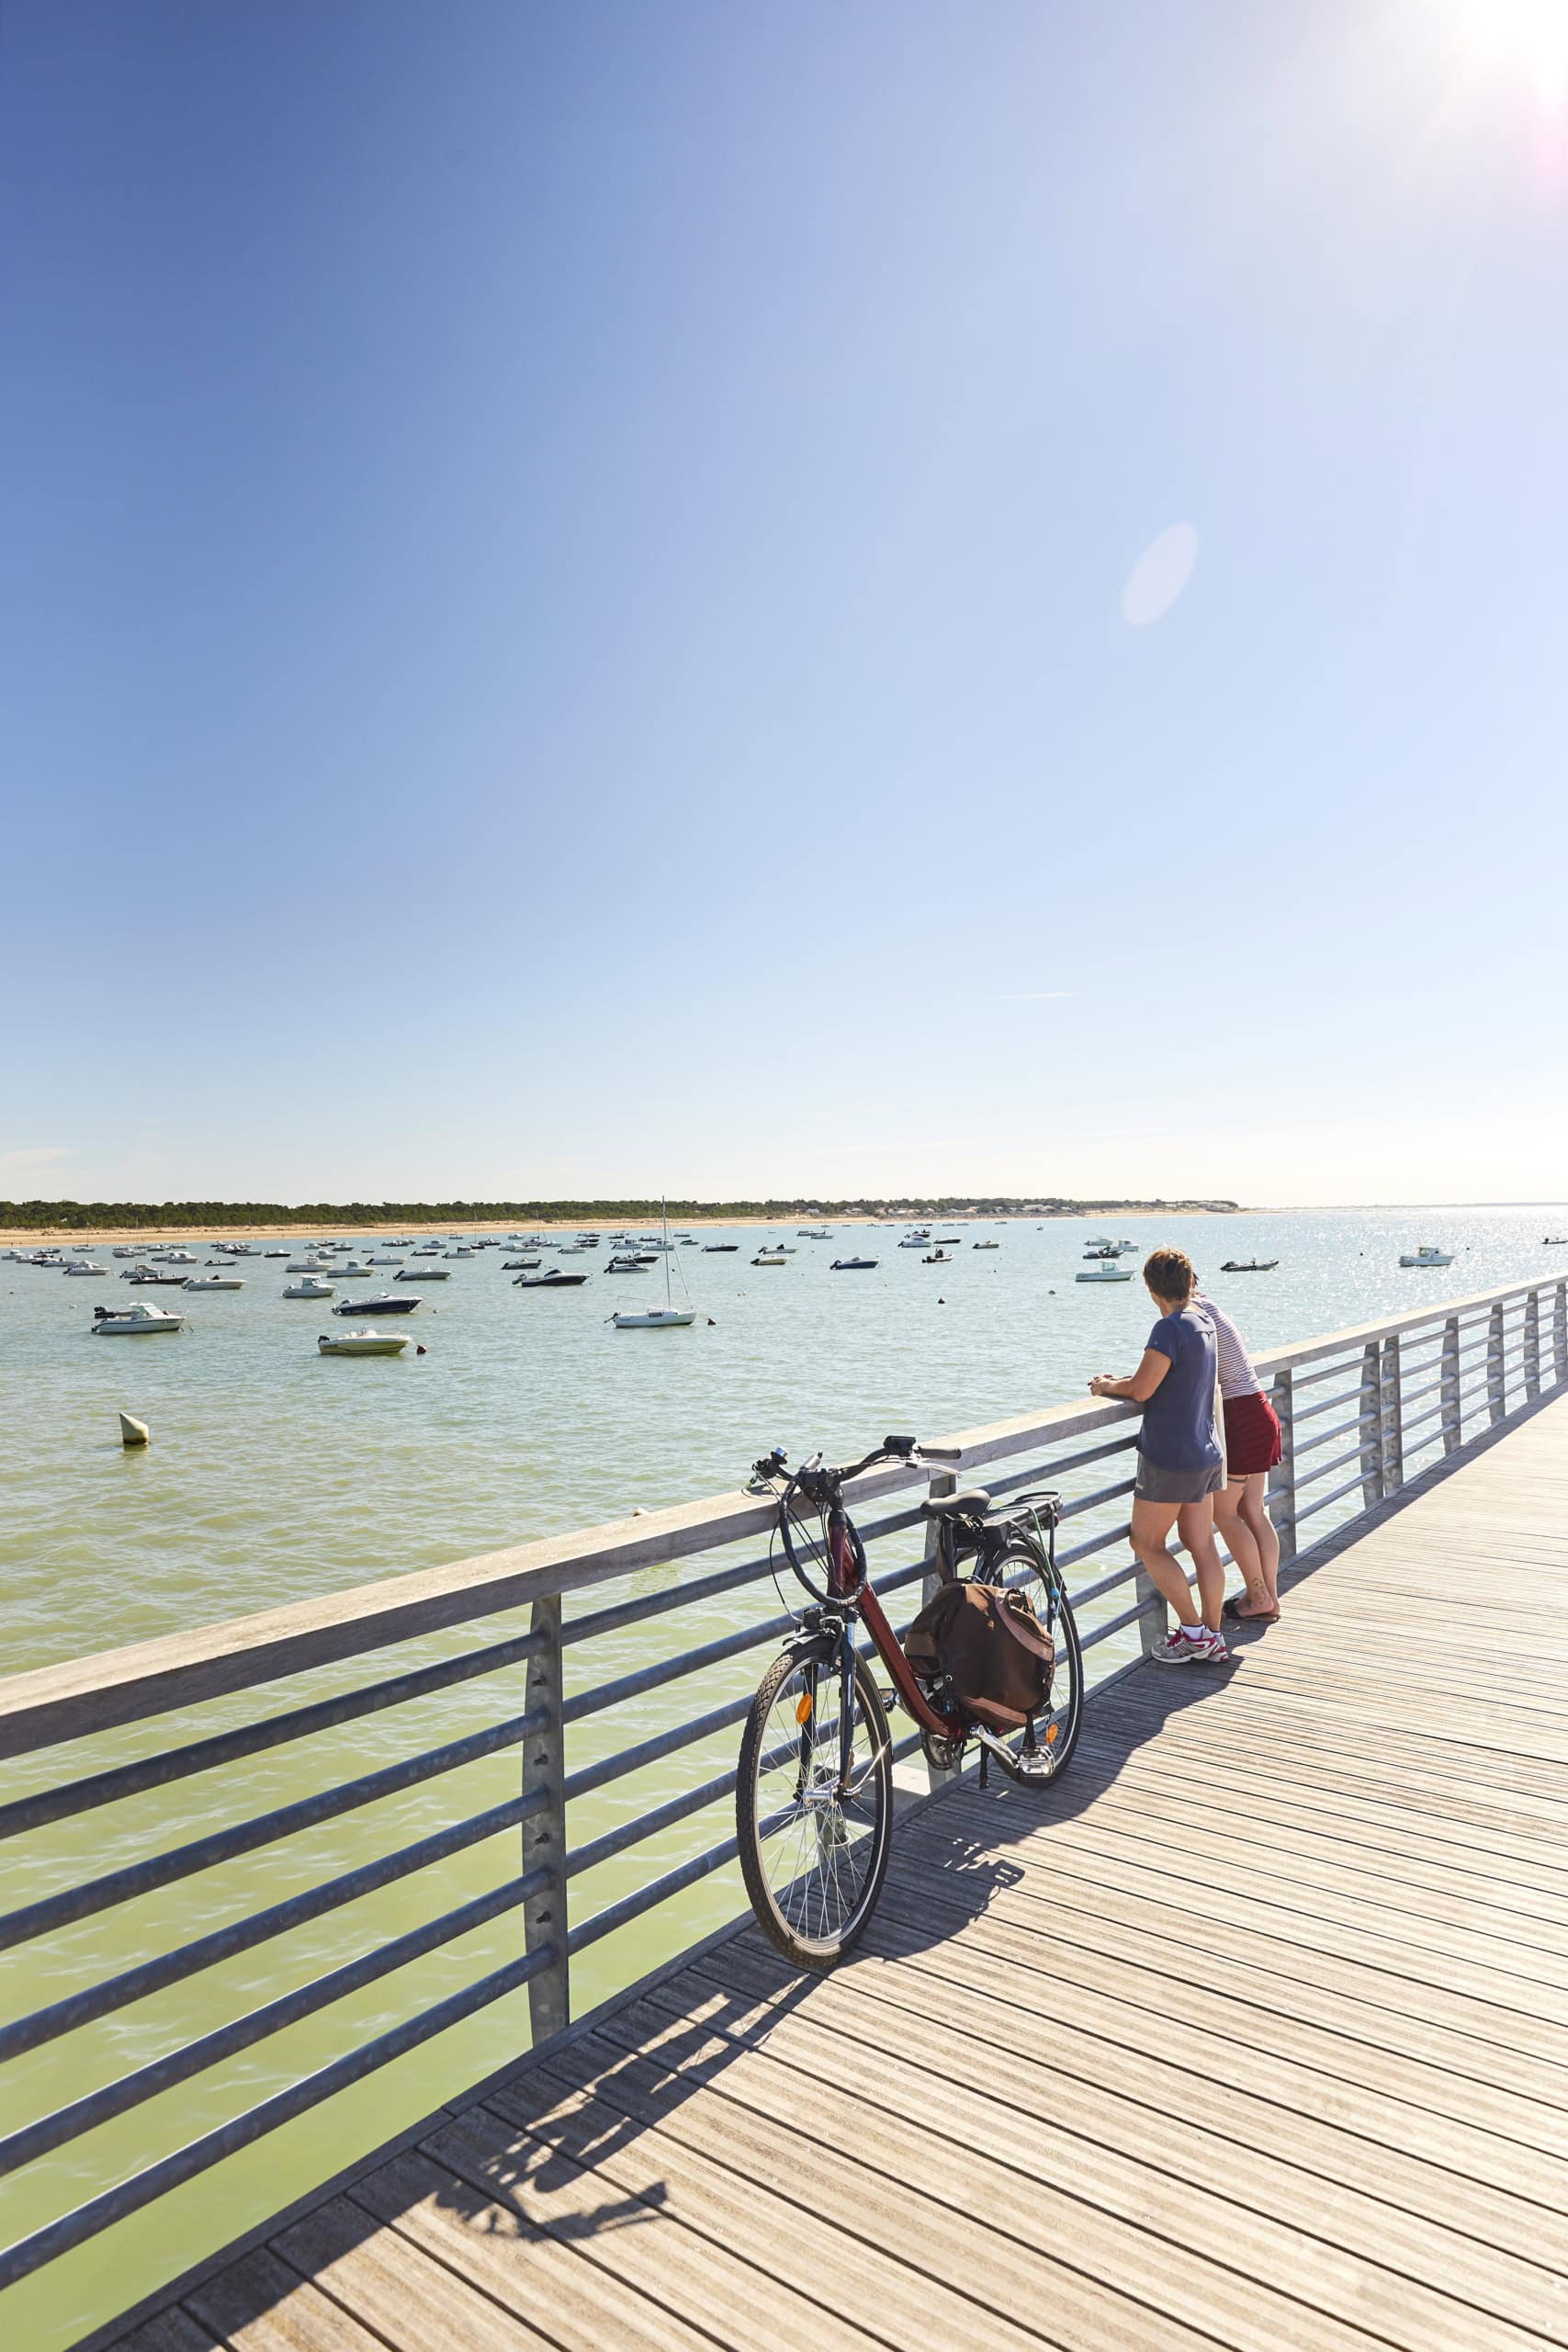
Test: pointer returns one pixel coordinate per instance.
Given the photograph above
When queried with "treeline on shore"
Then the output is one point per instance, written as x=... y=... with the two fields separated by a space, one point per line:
x=84 y=1216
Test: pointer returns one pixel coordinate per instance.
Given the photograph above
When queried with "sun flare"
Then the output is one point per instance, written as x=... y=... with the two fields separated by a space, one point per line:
x=1529 y=38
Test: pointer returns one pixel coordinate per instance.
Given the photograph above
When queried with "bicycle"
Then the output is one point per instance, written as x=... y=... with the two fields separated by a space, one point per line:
x=813 y=1790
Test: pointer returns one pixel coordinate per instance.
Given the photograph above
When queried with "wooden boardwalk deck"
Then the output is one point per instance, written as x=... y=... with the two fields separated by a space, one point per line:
x=1253 y=2033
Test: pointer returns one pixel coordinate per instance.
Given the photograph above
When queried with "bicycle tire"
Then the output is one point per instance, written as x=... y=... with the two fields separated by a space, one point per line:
x=1020 y=1553
x=779 y=1924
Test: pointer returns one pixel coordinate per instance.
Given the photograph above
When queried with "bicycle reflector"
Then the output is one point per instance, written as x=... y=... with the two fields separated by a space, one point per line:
x=803 y=1708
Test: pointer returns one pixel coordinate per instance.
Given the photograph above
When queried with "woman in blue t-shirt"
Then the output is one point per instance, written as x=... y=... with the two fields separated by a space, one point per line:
x=1180 y=1464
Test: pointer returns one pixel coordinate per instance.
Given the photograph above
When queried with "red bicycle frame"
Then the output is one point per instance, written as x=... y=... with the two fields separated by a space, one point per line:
x=851 y=1583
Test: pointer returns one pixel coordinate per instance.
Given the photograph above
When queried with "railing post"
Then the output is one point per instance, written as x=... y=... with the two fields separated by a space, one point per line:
x=1392 y=1419
x=1496 y=1395
x=544 y=1829
x=1153 y=1624
x=1370 y=1418
x=1532 y=1345
x=1282 y=1481
x=941 y=1483
x=1560 y=1332
x=1452 y=1421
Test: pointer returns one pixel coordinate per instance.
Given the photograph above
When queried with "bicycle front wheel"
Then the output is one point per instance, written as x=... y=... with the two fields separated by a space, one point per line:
x=814 y=1841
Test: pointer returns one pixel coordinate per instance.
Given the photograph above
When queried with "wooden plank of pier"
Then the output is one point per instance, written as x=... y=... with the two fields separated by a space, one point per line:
x=1254 y=2033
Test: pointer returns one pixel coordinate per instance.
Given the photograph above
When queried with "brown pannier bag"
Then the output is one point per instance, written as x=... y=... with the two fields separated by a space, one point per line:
x=992 y=1648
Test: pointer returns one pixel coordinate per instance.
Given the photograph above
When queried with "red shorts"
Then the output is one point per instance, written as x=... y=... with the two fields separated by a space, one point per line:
x=1253 y=1440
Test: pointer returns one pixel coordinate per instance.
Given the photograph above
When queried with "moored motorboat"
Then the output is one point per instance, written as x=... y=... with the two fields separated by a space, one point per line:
x=770 y=1257
x=552 y=1281
x=1427 y=1255
x=361 y=1343
x=403 y=1303
x=135 y=1321
x=985 y=1245
x=422 y=1274
x=216 y=1282
x=938 y=1257
x=149 y=1278
x=1249 y=1265
x=309 y=1286
x=1103 y=1273
x=851 y=1265
x=656 y=1318
x=85 y=1271
x=524 y=1265
x=719 y=1249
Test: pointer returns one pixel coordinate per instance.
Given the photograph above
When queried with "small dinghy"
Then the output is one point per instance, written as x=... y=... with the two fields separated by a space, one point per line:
x=422 y=1274
x=216 y=1282
x=524 y=1266
x=1249 y=1265
x=361 y=1343
x=985 y=1245
x=769 y=1258
x=309 y=1286
x=939 y=1256
x=403 y=1303
x=132 y=1322
x=851 y=1265
x=549 y=1281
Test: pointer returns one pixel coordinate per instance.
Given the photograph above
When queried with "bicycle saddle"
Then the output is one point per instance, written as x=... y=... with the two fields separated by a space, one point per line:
x=974 y=1505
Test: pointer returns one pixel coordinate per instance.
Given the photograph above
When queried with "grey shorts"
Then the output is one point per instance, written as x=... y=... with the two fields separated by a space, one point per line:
x=1155 y=1485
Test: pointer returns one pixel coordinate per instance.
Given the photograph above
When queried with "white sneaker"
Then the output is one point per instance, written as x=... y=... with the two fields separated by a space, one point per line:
x=1184 y=1649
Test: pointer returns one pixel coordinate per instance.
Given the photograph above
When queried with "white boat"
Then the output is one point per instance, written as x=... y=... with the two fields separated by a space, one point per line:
x=1427 y=1255
x=770 y=1257
x=917 y=1241
x=668 y=1318
x=177 y=1256
x=985 y=1245
x=311 y=1266
x=361 y=1343
x=127 y=1322
x=274 y=1253
x=1108 y=1273
x=216 y=1282
x=355 y=1269
x=422 y=1274
x=309 y=1286
x=83 y=1269
x=389 y=1258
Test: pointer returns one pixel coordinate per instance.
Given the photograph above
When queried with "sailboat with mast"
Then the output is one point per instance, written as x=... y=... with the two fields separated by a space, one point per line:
x=668 y=1318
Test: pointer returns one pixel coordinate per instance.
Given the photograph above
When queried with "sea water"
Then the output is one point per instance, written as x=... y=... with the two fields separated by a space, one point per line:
x=275 y=1474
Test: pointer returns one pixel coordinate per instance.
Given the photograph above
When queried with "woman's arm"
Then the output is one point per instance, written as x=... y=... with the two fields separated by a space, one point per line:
x=1141 y=1386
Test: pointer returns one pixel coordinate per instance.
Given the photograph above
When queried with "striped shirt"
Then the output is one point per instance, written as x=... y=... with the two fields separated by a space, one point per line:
x=1237 y=1375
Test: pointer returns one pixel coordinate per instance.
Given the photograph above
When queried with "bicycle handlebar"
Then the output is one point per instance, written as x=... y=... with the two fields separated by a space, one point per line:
x=892 y=1449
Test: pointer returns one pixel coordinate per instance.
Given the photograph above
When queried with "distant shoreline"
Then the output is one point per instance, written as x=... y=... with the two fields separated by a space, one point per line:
x=705 y=1219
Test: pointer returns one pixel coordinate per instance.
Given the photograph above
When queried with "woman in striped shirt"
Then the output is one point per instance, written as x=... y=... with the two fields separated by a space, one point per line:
x=1253 y=1446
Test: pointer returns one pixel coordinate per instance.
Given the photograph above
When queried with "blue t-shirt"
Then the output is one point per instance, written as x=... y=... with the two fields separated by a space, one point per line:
x=1179 y=1419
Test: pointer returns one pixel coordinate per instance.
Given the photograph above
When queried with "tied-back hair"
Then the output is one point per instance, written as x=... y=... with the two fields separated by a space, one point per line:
x=1170 y=1273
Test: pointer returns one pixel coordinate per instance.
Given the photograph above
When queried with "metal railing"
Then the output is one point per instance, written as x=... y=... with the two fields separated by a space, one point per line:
x=1362 y=1411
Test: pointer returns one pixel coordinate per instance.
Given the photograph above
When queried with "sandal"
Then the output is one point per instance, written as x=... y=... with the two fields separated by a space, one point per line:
x=1240 y=1616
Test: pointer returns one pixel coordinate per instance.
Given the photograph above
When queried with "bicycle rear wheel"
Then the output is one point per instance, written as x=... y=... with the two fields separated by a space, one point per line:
x=814 y=1853
x=1056 y=1733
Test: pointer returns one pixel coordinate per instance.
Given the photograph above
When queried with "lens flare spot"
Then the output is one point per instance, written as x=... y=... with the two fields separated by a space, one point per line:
x=1160 y=574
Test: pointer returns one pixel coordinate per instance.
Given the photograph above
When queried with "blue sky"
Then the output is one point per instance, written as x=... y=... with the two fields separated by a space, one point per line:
x=570 y=615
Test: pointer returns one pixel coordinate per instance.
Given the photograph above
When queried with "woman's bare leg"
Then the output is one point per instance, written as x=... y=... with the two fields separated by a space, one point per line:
x=1240 y=1542
x=1255 y=1517
x=1152 y=1523
x=1195 y=1523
